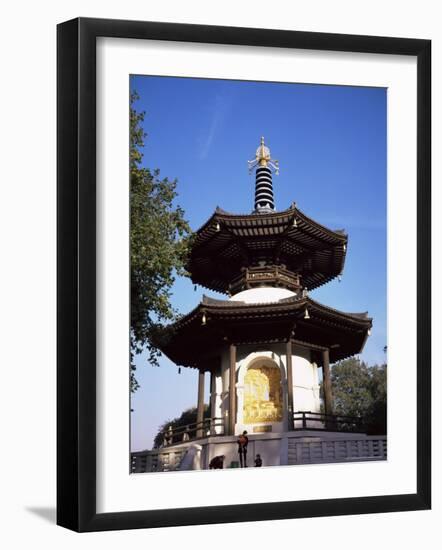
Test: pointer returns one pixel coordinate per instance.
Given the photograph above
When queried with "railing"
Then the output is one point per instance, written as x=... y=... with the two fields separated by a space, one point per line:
x=196 y=430
x=157 y=460
x=139 y=462
x=306 y=420
x=253 y=276
x=336 y=450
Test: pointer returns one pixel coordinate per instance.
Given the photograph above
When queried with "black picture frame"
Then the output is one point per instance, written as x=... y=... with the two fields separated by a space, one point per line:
x=76 y=273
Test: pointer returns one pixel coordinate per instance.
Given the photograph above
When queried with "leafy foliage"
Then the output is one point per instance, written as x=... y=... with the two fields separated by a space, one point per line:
x=159 y=242
x=187 y=417
x=360 y=390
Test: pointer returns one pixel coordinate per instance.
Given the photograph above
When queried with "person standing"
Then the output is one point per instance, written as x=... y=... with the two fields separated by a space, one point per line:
x=243 y=441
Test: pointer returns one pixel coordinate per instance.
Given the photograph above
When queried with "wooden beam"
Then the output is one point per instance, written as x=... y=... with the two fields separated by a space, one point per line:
x=308 y=345
x=200 y=405
x=232 y=389
x=326 y=382
x=290 y=405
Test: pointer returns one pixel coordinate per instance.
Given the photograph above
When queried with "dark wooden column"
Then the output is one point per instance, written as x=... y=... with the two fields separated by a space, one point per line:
x=326 y=382
x=200 y=405
x=212 y=392
x=290 y=410
x=232 y=389
x=212 y=401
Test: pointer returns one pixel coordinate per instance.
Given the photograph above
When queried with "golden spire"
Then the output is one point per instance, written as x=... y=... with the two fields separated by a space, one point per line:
x=263 y=158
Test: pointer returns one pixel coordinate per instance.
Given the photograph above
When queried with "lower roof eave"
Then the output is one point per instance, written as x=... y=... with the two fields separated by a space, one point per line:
x=204 y=333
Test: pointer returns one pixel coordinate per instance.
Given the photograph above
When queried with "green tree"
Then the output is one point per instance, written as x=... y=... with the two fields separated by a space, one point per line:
x=159 y=241
x=186 y=418
x=361 y=390
x=377 y=412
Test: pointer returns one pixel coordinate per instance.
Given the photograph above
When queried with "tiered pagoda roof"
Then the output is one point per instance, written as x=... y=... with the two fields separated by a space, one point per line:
x=213 y=323
x=229 y=244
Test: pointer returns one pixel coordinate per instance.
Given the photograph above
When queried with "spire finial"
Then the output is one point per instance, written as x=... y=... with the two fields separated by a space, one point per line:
x=264 y=165
x=263 y=158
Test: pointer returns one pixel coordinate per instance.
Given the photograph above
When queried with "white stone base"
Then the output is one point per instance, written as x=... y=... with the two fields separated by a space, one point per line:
x=276 y=449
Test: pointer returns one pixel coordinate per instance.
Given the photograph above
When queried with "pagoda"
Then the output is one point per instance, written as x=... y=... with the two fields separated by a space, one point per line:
x=267 y=342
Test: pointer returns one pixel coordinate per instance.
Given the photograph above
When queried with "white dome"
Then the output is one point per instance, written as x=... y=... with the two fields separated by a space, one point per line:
x=262 y=295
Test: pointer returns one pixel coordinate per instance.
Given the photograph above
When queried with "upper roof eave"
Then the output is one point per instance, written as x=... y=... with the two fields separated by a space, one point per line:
x=281 y=216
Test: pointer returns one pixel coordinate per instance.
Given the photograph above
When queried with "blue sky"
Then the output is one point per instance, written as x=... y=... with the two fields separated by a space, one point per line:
x=331 y=145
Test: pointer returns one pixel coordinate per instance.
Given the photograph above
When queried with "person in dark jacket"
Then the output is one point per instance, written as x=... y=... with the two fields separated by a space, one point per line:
x=217 y=463
x=243 y=441
x=258 y=461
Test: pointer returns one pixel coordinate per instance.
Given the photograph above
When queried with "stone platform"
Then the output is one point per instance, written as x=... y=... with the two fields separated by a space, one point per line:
x=276 y=449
